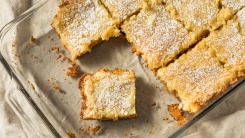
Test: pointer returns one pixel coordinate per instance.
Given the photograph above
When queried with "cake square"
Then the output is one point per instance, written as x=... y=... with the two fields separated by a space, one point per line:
x=228 y=44
x=81 y=24
x=199 y=15
x=234 y=5
x=122 y=9
x=108 y=95
x=195 y=78
x=156 y=36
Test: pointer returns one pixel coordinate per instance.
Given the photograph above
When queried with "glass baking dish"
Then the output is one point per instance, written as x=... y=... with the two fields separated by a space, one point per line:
x=48 y=102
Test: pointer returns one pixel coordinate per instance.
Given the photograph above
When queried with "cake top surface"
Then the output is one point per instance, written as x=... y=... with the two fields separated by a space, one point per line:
x=121 y=9
x=156 y=35
x=195 y=14
x=233 y=4
x=229 y=45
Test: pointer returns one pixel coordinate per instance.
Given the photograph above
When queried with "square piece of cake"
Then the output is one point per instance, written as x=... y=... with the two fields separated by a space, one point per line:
x=199 y=15
x=156 y=36
x=228 y=44
x=122 y=9
x=81 y=24
x=108 y=95
x=195 y=78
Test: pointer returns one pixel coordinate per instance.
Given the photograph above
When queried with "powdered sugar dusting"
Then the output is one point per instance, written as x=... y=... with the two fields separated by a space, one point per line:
x=81 y=23
x=233 y=4
x=157 y=36
x=113 y=94
x=229 y=45
x=241 y=18
x=121 y=9
x=195 y=76
x=195 y=71
x=196 y=14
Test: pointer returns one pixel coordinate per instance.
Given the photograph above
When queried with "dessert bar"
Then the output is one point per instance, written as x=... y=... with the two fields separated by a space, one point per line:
x=156 y=36
x=108 y=95
x=81 y=24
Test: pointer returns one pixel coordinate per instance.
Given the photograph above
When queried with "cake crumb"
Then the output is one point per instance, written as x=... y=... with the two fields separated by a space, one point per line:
x=153 y=104
x=59 y=56
x=166 y=119
x=96 y=129
x=56 y=87
x=16 y=55
x=151 y=132
x=32 y=86
x=177 y=113
x=81 y=129
x=71 y=135
x=33 y=39
x=73 y=71
x=88 y=129
x=55 y=49
x=72 y=63
x=39 y=95
x=66 y=58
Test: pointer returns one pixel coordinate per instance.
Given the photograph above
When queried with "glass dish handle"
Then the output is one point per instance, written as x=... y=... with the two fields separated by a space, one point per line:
x=25 y=112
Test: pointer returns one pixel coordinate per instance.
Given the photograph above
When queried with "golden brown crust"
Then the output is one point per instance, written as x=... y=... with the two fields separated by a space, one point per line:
x=81 y=80
x=65 y=3
x=105 y=119
x=114 y=71
x=83 y=96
